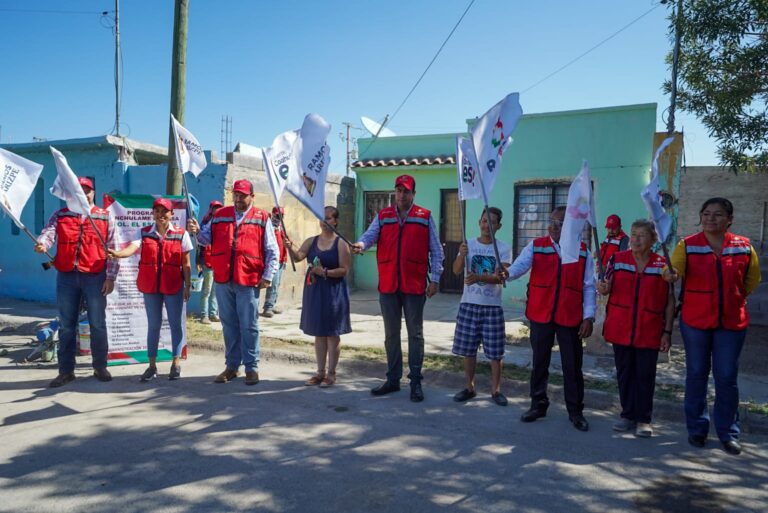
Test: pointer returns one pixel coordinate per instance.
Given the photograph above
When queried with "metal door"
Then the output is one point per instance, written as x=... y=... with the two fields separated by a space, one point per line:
x=451 y=235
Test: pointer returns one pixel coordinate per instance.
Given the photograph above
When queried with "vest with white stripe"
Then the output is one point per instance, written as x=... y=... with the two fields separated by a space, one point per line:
x=78 y=246
x=160 y=264
x=402 y=251
x=237 y=250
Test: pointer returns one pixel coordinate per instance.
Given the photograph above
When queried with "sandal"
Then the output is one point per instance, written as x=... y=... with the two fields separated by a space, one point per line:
x=329 y=381
x=316 y=379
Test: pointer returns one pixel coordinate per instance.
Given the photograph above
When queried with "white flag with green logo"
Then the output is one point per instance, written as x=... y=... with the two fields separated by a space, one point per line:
x=278 y=162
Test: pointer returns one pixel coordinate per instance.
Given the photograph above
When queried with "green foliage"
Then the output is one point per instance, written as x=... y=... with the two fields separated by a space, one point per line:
x=723 y=75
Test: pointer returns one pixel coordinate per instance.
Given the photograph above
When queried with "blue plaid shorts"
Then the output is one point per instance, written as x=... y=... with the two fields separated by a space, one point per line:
x=476 y=323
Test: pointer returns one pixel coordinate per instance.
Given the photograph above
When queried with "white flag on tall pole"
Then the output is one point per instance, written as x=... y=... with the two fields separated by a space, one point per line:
x=651 y=195
x=18 y=177
x=279 y=161
x=579 y=211
x=492 y=135
x=189 y=153
x=66 y=187
x=466 y=167
x=313 y=158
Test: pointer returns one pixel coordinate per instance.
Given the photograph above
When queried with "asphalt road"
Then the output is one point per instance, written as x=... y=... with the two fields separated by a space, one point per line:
x=195 y=446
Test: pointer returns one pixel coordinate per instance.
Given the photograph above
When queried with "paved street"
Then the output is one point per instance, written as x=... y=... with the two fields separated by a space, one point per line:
x=194 y=446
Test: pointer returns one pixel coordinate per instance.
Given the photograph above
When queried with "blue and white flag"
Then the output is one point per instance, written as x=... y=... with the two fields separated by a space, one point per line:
x=579 y=210
x=189 y=153
x=313 y=158
x=466 y=167
x=66 y=187
x=278 y=162
x=18 y=177
x=651 y=195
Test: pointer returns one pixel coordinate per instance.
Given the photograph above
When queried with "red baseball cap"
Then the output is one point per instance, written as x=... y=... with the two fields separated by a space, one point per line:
x=613 y=222
x=216 y=203
x=243 y=187
x=406 y=181
x=278 y=210
x=163 y=202
x=86 y=181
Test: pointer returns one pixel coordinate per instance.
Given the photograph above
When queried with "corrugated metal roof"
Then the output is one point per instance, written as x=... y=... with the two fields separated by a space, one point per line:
x=441 y=160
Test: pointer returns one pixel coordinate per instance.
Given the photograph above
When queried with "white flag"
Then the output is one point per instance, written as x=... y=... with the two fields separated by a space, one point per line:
x=189 y=153
x=18 y=177
x=579 y=211
x=278 y=162
x=651 y=195
x=466 y=167
x=492 y=135
x=66 y=187
x=313 y=158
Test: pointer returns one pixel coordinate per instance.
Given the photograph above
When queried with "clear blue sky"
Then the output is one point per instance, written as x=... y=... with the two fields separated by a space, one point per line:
x=268 y=63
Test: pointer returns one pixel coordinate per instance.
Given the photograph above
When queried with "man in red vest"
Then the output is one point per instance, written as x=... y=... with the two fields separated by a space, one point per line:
x=270 y=297
x=615 y=241
x=561 y=302
x=408 y=251
x=244 y=260
x=83 y=273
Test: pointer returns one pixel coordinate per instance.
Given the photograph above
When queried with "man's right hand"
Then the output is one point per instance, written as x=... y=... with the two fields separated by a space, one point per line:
x=357 y=248
x=39 y=248
x=670 y=275
x=192 y=226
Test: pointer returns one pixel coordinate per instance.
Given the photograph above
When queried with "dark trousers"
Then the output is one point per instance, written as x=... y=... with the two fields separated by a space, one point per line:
x=393 y=306
x=571 y=356
x=636 y=374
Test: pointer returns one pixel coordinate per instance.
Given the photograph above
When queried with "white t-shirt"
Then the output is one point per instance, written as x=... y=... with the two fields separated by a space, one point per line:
x=482 y=260
x=186 y=242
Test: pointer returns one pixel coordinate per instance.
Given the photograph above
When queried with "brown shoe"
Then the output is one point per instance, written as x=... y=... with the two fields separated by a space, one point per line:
x=226 y=376
x=251 y=378
x=61 y=380
x=316 y=379
x=102 y=374
x=329 y=381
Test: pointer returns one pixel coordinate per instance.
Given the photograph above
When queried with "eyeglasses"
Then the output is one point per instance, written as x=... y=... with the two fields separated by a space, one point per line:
x=555 y=223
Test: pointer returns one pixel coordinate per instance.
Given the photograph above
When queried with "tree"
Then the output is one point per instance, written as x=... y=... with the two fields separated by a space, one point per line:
x=723 y=75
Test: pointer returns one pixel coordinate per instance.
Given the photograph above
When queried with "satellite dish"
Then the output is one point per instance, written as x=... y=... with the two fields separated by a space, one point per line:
x=376 y=129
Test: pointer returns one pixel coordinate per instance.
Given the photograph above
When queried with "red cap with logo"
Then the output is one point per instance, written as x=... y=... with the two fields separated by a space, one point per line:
x=86 y=181
x=613 y=222
x=243 y=187
x=406 y=181
x=163 y=202
x=216 y=203
x=278 y=210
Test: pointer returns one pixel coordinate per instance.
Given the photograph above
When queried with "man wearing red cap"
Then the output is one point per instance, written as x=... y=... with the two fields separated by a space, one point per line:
x=270 y=297
x=408 y=250
x=209 y=307
x=83 y=272
x=244 y=260
x=616 y=240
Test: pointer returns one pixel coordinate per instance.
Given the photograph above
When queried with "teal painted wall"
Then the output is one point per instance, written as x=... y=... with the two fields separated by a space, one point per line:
x=617 y=142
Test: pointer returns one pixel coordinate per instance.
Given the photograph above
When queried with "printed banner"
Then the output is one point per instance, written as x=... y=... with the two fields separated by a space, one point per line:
x=126 y=317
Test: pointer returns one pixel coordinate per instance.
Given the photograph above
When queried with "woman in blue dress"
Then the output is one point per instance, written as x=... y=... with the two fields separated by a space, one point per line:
x=325 y=305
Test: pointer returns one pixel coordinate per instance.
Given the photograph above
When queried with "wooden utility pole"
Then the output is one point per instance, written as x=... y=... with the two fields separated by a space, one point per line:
x=178 y=91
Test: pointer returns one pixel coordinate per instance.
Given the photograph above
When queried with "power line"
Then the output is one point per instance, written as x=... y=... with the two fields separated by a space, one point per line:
x=598 y=45
x=50 y=11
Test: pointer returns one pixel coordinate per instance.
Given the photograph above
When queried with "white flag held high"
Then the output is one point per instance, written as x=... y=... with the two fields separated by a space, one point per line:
x=651 y=195
x=466 y=167
x=579 y=211
x=66 y=187
x=492 y=135
x=279 y=162
x=313 y=158
x=189 y=153
x=18 y=177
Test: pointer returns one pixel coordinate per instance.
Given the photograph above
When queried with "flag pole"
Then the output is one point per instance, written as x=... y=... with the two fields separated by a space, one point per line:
x=282 y=225
x=46 y=265
x=189 y=203
x=463 y=230
x=600 y=270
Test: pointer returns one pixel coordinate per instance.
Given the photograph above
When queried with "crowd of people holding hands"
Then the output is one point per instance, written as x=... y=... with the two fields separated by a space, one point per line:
x=243 y=249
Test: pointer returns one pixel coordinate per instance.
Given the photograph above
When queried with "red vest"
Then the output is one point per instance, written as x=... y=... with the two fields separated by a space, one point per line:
x=236 y=250
x=713 y=288
x=402 y=251
x=160 y=265
x=610 y=247
x=281 y=245
x=555 y=291
x=79 y=246
x=637 y=304
x=207 y=256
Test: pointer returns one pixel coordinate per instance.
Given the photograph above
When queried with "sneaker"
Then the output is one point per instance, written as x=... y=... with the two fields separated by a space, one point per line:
x=276 y=310
x=175 y=372
x=267 y=313
x=624 y=425
x=464 y=395
x=205 y=320
x=643 y=430
x=499 y=399
x=150 y=373
x=214 y=318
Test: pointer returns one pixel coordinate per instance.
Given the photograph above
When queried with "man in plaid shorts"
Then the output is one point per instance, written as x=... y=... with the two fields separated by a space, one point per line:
x=480 y=316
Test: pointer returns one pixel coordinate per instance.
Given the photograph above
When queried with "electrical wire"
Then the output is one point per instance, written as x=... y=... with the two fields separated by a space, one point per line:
x=49 y=11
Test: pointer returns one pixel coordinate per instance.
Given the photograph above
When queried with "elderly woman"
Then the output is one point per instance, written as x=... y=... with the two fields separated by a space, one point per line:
x=164 y=278
x=719 y=270
x=325 y=305
x=638 y=322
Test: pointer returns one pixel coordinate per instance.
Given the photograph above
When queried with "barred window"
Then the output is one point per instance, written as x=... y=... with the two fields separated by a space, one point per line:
x=375 y=201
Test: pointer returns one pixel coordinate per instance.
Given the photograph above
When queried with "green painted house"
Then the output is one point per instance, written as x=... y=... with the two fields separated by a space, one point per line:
x=536 y=172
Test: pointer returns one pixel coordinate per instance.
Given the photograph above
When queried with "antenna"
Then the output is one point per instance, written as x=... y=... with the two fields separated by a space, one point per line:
x=226 y=135
x=377 y=129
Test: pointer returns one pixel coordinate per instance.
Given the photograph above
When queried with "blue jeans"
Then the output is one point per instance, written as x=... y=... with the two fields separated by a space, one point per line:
x=393 y=306
x=208 y=304
x=71 y=287
x=239 y=307
x=270 y=298
x=719 y=350
x=153 y=305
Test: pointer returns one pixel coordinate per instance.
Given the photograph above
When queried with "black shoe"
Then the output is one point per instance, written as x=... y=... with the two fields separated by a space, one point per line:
x=150 y=373
x=175 y=372
x=386 y=388
x=499 y=399
x=732 y=447
x=697 y=440
x=580 y=423
x=62 y=379
x=533 y=414
x=102 y=374
x=464 y=395
x=417 y=395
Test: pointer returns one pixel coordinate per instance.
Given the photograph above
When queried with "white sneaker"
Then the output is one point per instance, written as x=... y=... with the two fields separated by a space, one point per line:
x=643 y=430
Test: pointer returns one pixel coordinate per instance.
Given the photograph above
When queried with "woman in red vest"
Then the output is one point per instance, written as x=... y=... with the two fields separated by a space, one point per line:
x=719 y=269
x=638 y=322
x=164 y=278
